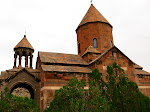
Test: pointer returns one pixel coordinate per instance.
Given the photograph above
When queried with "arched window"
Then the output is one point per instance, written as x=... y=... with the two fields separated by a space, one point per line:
x=95 y=42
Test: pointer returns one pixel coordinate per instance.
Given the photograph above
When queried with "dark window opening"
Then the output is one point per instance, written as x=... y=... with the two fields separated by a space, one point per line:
x=140 y=76
x=55 y=75
x=111 y=44
x=95 y=42
x=115 y=54
x=79 y=49
x=90 y=60
x=130 y=63
x=98 y=62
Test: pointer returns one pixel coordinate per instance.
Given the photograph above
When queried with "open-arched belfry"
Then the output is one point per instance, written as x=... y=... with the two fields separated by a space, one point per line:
x=96 y=49
x=23 y=48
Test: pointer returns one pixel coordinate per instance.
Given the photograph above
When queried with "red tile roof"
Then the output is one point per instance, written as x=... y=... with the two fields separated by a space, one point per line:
x=59 y=58
x=24 y=43
x=138 y=66
x=58 y=68
x=137 y=71
x=93 y=15
x=91 y=49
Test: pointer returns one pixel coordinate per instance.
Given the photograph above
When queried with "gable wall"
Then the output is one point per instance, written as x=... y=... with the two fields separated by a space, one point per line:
x=109 y=59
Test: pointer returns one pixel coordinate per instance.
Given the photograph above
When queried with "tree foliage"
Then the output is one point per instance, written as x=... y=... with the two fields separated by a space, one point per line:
x=69 y=98
x=97 y=100
x=110 y=93
x=74 y=97
x=124 y=95
x=11 y=103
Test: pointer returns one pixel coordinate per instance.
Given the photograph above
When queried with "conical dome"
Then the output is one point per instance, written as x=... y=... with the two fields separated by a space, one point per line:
x=94 y=30
x=93 y=15
x=24 y=43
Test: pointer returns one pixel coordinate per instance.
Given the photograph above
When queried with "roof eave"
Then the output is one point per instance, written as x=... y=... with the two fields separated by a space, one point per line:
x=93 y=22
x=23 y=48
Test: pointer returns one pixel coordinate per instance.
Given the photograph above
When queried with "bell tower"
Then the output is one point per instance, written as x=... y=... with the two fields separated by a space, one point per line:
x=94 y=30
x=23 y=48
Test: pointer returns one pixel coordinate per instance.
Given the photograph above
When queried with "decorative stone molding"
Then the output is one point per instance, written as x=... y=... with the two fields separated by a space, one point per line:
x=21 y=92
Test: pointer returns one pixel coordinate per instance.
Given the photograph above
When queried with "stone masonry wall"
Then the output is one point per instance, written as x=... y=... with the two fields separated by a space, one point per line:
x=101 y=31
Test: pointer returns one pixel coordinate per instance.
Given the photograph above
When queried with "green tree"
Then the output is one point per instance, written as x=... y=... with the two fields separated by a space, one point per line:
x=70 y=98
x=11 y=103
x=116 y=94
x=74 y=98
x=97 y=102
x=124 y=95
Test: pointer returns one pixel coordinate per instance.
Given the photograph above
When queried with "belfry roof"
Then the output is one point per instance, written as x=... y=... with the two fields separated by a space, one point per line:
x=24 y=43
x=93 y=15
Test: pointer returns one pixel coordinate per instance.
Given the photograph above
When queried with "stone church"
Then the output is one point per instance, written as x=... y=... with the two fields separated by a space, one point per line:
x=96 y=49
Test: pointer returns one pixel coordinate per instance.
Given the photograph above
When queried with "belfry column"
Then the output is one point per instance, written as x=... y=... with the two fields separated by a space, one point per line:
x=15 y=60
x=26 y=62
x=31 y=56
x=20 y=56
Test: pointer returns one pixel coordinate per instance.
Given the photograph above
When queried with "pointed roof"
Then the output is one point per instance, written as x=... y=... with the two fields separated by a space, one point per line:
x=91 y=49
x=93 y=15
x=24 y=43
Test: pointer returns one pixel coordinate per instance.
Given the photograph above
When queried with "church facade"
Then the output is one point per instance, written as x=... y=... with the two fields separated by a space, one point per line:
x=96 y=49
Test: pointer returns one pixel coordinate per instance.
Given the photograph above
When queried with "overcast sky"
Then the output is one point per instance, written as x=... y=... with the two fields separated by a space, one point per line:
x=50 y=26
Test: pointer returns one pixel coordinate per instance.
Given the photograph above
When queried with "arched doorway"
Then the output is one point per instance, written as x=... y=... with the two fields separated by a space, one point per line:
x=23 y=90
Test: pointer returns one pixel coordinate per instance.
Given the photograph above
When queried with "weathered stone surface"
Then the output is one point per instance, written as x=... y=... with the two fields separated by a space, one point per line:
x=54 y=70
